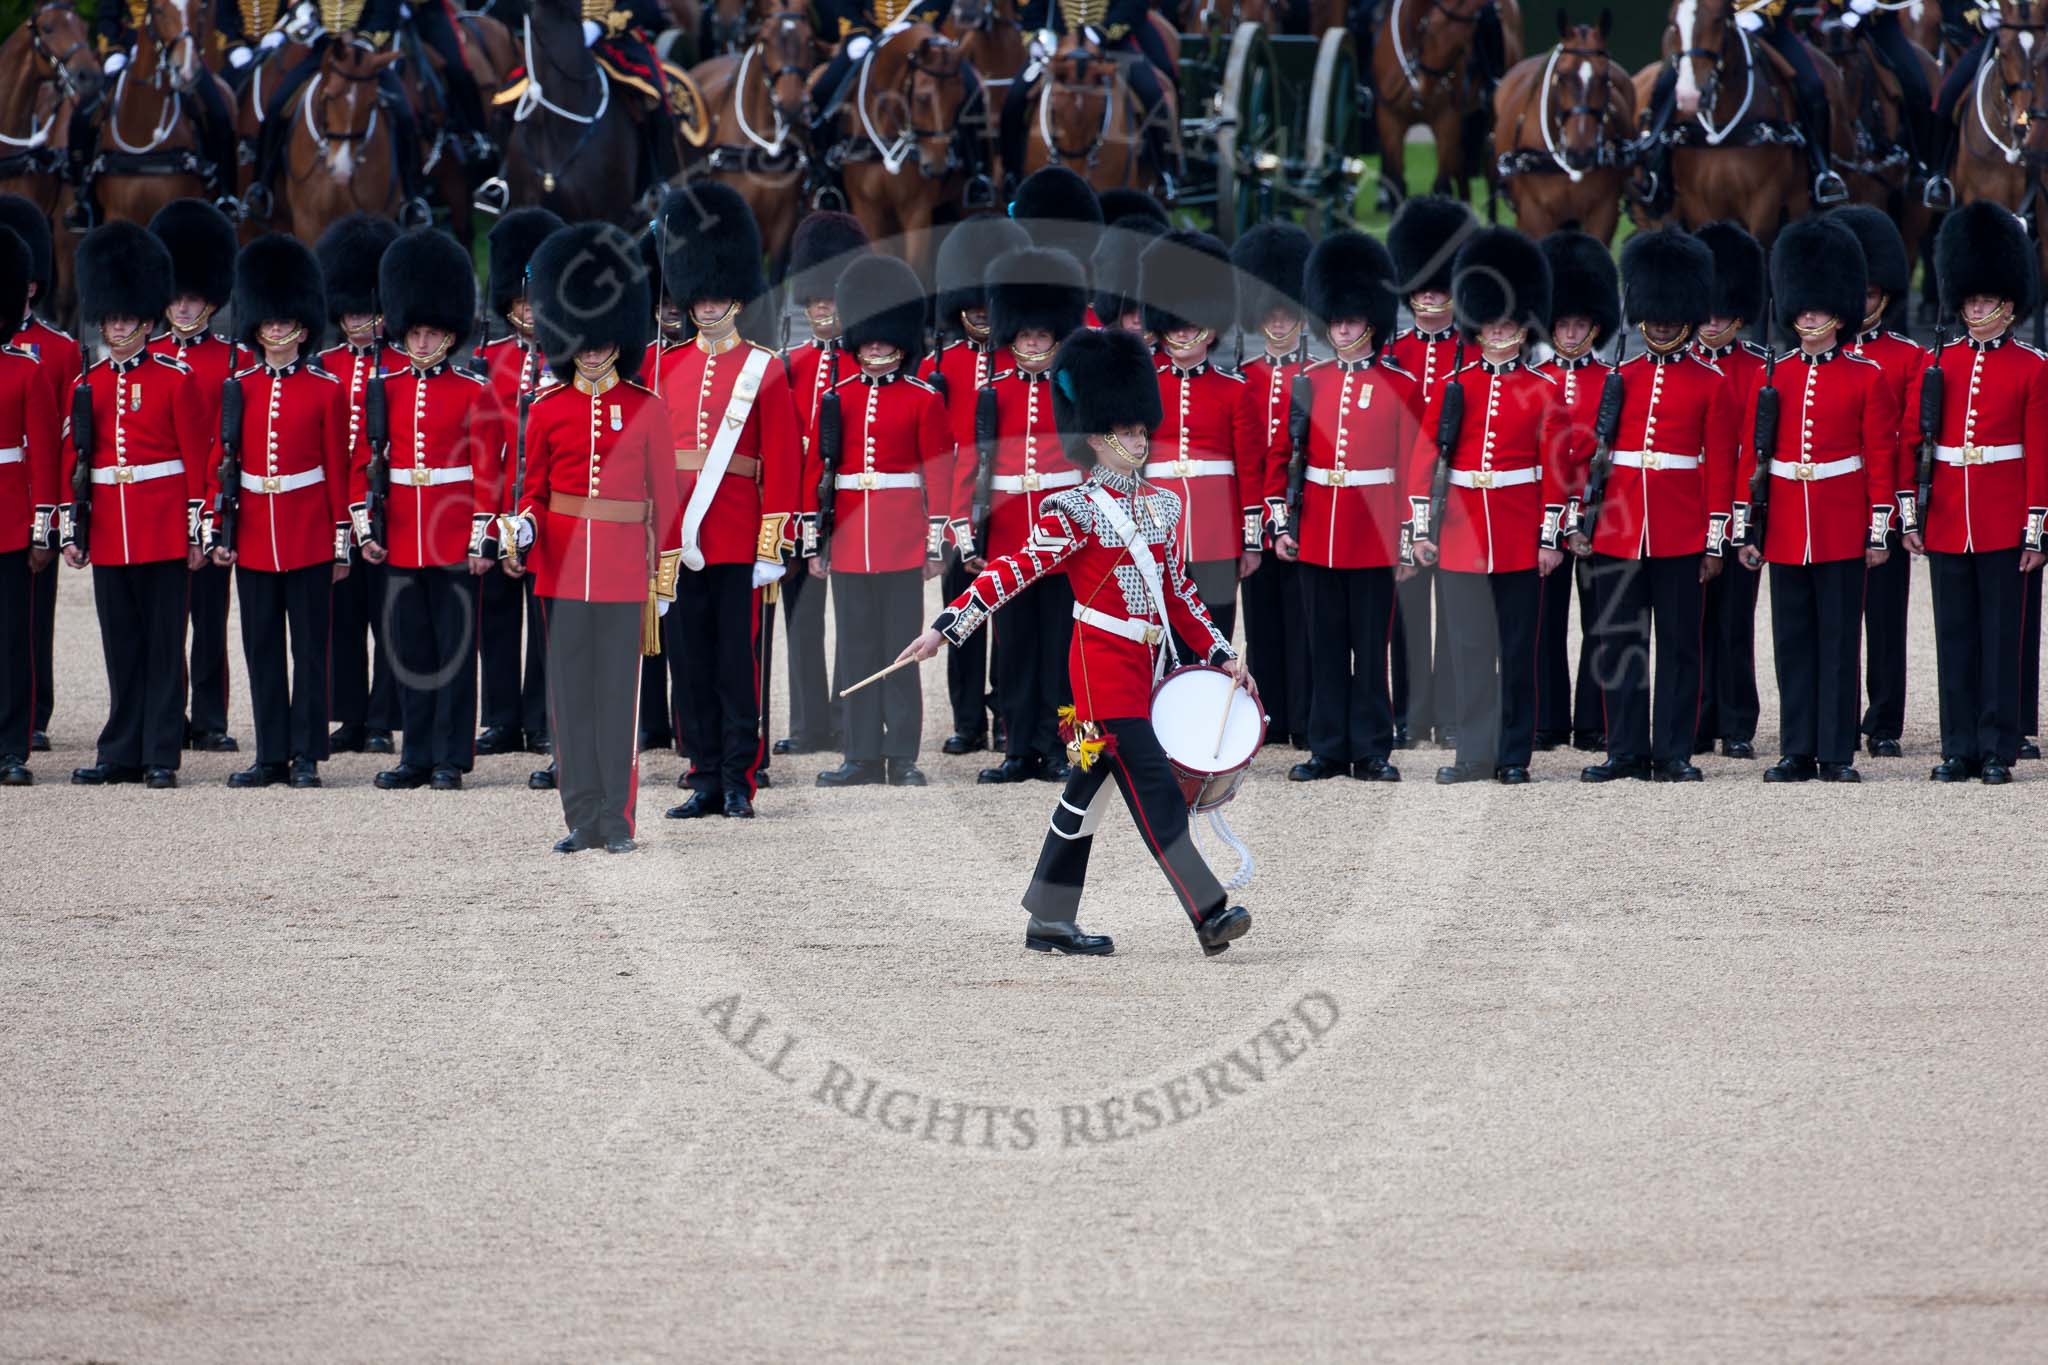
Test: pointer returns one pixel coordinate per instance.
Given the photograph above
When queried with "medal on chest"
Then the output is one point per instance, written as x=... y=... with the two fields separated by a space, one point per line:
x=618 y=419
x=1364 y=396
x=135 y=398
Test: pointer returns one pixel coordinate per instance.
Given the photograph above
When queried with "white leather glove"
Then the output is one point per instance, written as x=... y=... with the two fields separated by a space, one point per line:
x=522 y=535
x=240 y=56
x=857 y=46
x=115 y=61
x=1749 y=21
x=592 y=31
x=766 y=573
x=272 y=39
x=661 y=607
x=1859 y=8
x=1851 y=18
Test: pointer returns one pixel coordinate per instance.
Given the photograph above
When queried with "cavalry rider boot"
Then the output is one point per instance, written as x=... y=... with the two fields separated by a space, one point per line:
x=1953 y=770
x=575 y=841
x=904 y=773
x=1828 y=187
x=853 y=773
x=542 y=779
x=258 y=775
x=1939 y=192
x=1839 y=772
x=1790 y=769
x=305 y=773
x=1223 y=928
x=1316 y=768
x=1676 y=770
x=1996 y=774
x=1615 y=769
x=1064 y=936
x=697 y=807
x=105 y=775
x=1375 y=770
x=1014 y=768
x=737 y=806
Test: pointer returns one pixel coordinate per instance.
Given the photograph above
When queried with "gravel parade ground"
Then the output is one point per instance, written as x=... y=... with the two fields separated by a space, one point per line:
x=1708 y=1072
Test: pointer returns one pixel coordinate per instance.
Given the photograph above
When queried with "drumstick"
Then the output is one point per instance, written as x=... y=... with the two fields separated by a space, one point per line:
x=877 y=677
x=1229 y=704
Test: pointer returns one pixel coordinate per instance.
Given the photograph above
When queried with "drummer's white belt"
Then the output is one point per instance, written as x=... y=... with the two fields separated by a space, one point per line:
x=282 y=483
x=1653 y=459
x=1348 y=478
x=419 y=476
x=11 y=455
x=1142 y=632
x=1188 y=469
x=1819 y=469
x=1035 y=483
x=867 y=481
x=1494 y=478
x=1957 y=455
x=138 y=473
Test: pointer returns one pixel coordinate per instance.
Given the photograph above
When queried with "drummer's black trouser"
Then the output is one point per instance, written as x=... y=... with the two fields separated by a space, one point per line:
x=1134 y=758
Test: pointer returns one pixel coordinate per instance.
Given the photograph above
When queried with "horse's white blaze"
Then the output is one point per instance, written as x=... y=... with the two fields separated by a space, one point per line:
x=2026 y=41
x=188 y=50
x=1686 y=20
x=340 y=153
x=1585 y=81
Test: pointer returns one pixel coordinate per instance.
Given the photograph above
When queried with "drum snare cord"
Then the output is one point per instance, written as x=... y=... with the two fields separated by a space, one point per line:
x=1222 y=830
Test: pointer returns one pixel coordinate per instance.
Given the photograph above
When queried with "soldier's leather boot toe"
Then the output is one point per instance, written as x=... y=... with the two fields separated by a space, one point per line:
x=1995 y=773
x=213 y=742
x=1737 y=748
x=402 y=778
x=700 y=805
x=1548 y=740
x=1953 y=770
x=1615 y=769
x=1884 y=748
x=305 y=773
x=1223 y=928
x=542 y=779
x=1676 y=770
x=1456 y=774
x=904 y=773
x=39 y=741
x=1589 y=741
x=1375 y=770
x=378 y=742
x=1791 y=769
x=346 y=739
x=575 y=841
x=1316 y=768
x=1057 y=936
x=445 y=779
x=2029 y=749
x=619 y=843
x=854 y=772
x=15 y=773
x=1055 y=769
x=1511 y=775
x=780 y=748
x=1404 y=738
x=160 y=779
x=1839 y=772
x=540 y=742
x=737 y=806
x=1014 y=768
x=105 y=775
x=500 y=739
x=963 y=744
x=258 y=775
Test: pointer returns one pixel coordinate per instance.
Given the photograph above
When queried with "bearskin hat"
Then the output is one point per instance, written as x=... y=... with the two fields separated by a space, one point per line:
x=1184 y=279
x=513 y=241
x=823 y=244
x=1114 y=266
x=123 y=271
x=350 y=251
x=1582 y=281
x=33 y=227
x=963 y=261
x=1424 y=238
x=1123 y=203
x=1667 y=276
x=1817 y=266
x=1035 y=287
x=1059 y=209
x=879 y=298
x=17 y=265
x=1269 y=260
x=1738 y=271
x=1101 y=380
x=1500 y=275
x=1350 y=275
x=648 y=245
x=277 y=278
x=426 y=279
x=1983 y=249
x=589 y=291
x=202 y=244
x=710 y=245
x=1884 y=250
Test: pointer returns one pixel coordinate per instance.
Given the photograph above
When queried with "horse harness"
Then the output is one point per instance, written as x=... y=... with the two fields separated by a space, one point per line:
x=1611 y=151
x=33 y=154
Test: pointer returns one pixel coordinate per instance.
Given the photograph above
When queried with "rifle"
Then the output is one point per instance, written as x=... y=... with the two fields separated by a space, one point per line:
x=377 y=429
x=985 y=420
x=1933 y=399
x=1450 y=421
x=508 y=536
x=1301 y=401
x=1764 y=441
x=1606 y=427
x=227 y=504
x=830 y=439
x=84 y=444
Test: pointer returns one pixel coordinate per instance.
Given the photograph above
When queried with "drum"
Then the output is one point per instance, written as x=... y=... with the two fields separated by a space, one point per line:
x=1210 y=755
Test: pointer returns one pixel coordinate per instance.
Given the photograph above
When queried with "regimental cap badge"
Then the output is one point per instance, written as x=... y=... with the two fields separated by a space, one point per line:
x=1081 y=14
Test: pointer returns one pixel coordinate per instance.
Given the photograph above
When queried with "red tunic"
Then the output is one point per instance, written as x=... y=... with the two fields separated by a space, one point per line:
x=1272 y=379
x=211 y=358
x=1030 y=464
x=814 y=368
x=1504 y=469
x=1365 y=414
x=895 y=441
x=1902 y=359
x=1676 y=409
x=1211 y=452
x=55 y=350
x=963 y=368
x=1426 y=355
x=353 y=367
x=295 y=457
x=150 y=420
x=606 y=440
x=1836 y=415
x=1995 y=403
x=447 y=447
x=1578 y=388
x=29 y=458
x=752 y=511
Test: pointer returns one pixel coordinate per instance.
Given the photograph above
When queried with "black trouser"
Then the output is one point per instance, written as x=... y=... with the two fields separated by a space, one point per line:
x=1033 y=631
x=209 y=670
x=2030 y=655
x=44 y=631
x=465 y=102
x=142 y=635
x=1886 y=590
x=1277 y=644
x=1814 y=114
x=17 y=658
x=1421 y=658
x=1962 y=73
x=657 y=714
x=1977 y=611
x=291 y=721
x=433 y=635
x=873 y=616
x=1157 y=808
x=1816 y=612
x=1729 y=705
x=1351 y=612
x=1634 y=600
x=966 y=666
x=1589 y=708
x=813 y=716
x=1492 y=623
x=1215 y=583
x=514 y=697
x=364 y=693
x=1553 y=652
x=593 y=665
x=712 y=670
x=1888 y=39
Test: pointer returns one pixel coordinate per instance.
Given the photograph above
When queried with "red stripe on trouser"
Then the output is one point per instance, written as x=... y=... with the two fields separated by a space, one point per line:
x=1136 y=802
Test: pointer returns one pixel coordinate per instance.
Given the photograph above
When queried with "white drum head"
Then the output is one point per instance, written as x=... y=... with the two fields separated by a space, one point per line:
x=1187 y=711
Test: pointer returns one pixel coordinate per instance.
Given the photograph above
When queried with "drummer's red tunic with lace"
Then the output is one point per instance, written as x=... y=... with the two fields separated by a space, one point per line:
x=1112 y=674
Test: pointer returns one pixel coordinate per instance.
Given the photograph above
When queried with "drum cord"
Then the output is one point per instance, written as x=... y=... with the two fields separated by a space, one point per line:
x=1222 y=830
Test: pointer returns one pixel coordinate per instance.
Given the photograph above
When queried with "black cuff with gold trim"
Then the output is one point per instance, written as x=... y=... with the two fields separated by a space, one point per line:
x=1553 y=525
x=2037 y=529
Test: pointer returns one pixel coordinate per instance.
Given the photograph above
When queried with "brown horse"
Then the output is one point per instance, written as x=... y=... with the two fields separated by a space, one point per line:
x=992 y=42
x=1560 y=119
x=341 y=158
x=760 y=137
x=1311 y=17
x=1086 y=118
x=2003 y=150
x=903 y=118
x=1423 y=63
x=149 y=143
x=1870 y=130
x=572 y=147
x=46 y=68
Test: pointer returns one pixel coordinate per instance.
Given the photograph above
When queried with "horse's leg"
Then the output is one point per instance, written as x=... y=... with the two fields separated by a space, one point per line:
x=1393 y=154
x=1447 y=126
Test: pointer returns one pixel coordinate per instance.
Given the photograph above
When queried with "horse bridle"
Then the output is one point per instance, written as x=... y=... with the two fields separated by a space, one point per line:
x=162 y=78
x=1412 y=65
x=1597 y=113
x=2023 y=115
x=912 y=68
x=1084 y=58
x=60 y=62
x=321 y=132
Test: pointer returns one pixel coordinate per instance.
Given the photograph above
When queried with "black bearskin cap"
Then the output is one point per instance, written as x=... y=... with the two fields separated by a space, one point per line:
x=1884 y=250
x=1059 y=209
x=1350 y=275
x=350 y=252
x=1500 y=275
x=1102 y=380
x=1983 y=249
x=277 y=278
x=879 y=298
x=1424 y=238
x=1738 y=271
x=1123 y=203
x=1269 y=260
x=513 y=241
x=1582 y=281
x=17 y=263
x=1114 y=266
x=33 y=227
x=823 y=245
x=1184 y=279
x=711 y=245
x=426 y=279
x=964 y=255
x=648 y=244
x=1036 y=288
x=123 y=271
x=1667 y=276
x=590 y=290
x=202 y=244
x=1817 y=266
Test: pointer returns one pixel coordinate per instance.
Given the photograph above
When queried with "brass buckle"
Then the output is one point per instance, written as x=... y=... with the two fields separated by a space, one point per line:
x=1183 y=467
x=1651 y=460
x=867 y=479
x=419 y=476
x=1482 y=478
x=1152 y=634
x=1031 y=481
x=1805 y=473
x=272 y=484
x=1337 y=477
x=1973 y=454
x=123 y=474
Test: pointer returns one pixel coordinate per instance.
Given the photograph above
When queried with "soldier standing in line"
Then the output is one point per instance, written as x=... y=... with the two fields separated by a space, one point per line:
x=28 y=504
